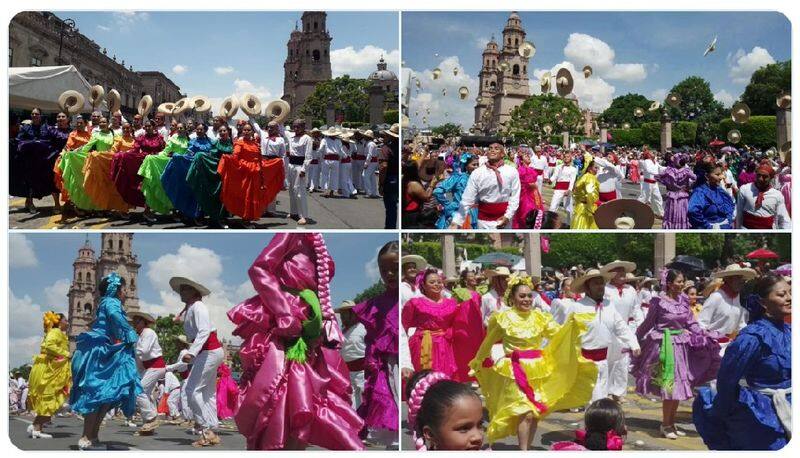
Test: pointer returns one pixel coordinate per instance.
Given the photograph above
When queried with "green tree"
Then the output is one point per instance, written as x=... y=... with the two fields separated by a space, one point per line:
x=447 y=130
x=348 y=95
x=683 y=133
x=760 y=131
x=24 y=371
x=528 y=120
x=168 y=330
x=373 y=291
x=765 y=85
x=622 y=108
x=699 y=106
x=391 y=116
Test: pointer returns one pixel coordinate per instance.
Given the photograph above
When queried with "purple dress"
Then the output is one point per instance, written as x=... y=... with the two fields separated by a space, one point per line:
x=381 y=318
x=678 y=182
x=696 y=351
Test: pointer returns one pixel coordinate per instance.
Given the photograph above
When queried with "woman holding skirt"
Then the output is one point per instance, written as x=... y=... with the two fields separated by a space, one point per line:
x=73 y=167
x=32 y=162
x=678 y=179
x=50 y=378
x=97 y=170
x=76 y=139
x=174 y=177
x=249 y=181
x=205 y=181
x=104 y=374
x=153 y=167
x=126 y=163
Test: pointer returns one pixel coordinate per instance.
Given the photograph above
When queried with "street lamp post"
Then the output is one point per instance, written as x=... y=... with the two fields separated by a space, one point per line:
x=67 y=30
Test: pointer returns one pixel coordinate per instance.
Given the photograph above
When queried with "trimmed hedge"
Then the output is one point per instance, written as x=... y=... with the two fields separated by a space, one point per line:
x=760 y=131
x=391 y=116
x=432 y=251
x=683 y=133
x=627 y=137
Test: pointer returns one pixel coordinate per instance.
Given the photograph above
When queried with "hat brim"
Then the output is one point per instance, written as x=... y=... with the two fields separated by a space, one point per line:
x=627 y=265
x=145 y=316
x=607 y=213
x=578 y=283
x=176 y=282
x=746 y=273
x=417 y=260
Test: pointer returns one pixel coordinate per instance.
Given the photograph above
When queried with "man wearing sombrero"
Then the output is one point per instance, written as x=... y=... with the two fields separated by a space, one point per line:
x=150 y=361
x=722 y=311
x=563 y=180
x=492 y=301
x=205 y=353
x=603 y=324
x=369 y=177
x=759 y=205
x=625 y=301
x=410 y=265
x=494 y=188
x=353 y=348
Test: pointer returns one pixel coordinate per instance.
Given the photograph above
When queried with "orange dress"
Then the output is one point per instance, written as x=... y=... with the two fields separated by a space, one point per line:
x=97 y=176
x=75 y=140
x=249 y=181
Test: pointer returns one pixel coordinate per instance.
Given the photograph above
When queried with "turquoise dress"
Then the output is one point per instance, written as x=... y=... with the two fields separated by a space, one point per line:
x=104 y=363
x=174 y=178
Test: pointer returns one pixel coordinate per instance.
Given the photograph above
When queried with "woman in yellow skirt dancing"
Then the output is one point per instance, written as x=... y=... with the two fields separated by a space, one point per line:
x=585 y=196
x=529 y=382
x=51 y=376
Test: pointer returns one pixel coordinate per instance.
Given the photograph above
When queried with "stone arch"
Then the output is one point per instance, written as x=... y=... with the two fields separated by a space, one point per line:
x=515 y=70
x=315 y=55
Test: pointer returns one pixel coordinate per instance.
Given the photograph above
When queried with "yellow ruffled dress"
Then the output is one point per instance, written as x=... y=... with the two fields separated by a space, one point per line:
x=585 y=196
x=51 y=375
x=561 y=378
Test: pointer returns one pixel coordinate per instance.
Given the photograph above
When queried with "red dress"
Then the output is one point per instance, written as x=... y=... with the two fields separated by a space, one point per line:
x=249 y=181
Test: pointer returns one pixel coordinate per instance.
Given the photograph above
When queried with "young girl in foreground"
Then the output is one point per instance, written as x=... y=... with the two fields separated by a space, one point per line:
x=444 y=414
x=605 y=429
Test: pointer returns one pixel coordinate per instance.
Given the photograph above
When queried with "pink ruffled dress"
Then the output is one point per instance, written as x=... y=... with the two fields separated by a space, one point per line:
x=381 y=318
x=227 y=393
x=281 y=401
x=431 y=345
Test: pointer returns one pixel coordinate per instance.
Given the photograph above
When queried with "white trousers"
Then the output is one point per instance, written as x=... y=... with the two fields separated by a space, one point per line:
x=23 y=399
x=651 y=195
x=330 y=175
x=601 y=386
x=560 y=196
x=186 y=411
x=619 y=363
x=298 y=204
x=312 y=172
x=174 y=402
x=285 y=171
x=346 y=179
x=371 y=179
x=357 y=172
x=486 y=224
x=201 y=387
x=357 y=383
x=145 y=401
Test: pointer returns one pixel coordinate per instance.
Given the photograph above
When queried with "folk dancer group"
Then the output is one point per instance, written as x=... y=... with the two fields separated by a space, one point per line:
x=536 y=353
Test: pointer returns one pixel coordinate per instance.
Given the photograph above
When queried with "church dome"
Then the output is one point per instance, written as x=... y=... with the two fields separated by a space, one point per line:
x=382 y=73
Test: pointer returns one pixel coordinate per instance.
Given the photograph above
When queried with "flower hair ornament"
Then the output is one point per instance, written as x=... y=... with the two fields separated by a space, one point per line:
x=415 y=403
x=114 y=282
x=420 y=280
x=613 y=441
x=50 y=319
x=514 y=280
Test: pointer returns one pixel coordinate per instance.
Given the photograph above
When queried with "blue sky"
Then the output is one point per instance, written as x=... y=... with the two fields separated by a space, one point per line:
x=642 y=52
x=41 y=271
x=220 y=53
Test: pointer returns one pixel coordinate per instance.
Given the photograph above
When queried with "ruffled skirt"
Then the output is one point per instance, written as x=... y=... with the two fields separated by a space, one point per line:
x=31 y=167
x=152 y=168
x=48 y=384
x=72 y=166
x=583 y=217
x=125 y=175
x=98 y=185
x=676 y=211
x=248 y=187
x=206 y=184
x=177 y=189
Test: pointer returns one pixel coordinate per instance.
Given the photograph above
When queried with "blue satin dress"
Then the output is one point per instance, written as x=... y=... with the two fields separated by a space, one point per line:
x=455 y=185
x=174 y=178
x=739 y=417
x=104 y=363
x=708 y=206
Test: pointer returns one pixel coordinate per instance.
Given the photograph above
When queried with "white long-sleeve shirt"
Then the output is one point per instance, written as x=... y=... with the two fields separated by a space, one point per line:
x=650 y=169
x=491 y=302
x=147 y=346
x=301 y=146
x=722 y=313
x=482 y=186
x=609 y=175
x=607 y=323
x=371 y=151
x=773 y=205
x=354 y=347
x=538 y=162
x=197 y=327
x=179 y=366
x=627 y=303
x=565 y=173
x=171 y=382
x=330 y=145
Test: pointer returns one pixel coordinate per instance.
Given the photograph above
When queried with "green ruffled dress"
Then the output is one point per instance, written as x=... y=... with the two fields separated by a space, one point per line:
x=151 y=170
x=205 y=181
x=72 y=165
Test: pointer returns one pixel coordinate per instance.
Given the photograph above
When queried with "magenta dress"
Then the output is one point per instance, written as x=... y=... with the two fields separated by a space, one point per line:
x=227 y=393
x=281 y=401
x=633 y=172
x=786 y=190
x=125 y=168
x=529 y=199
x=431 y=345
x=381 y=318
x=696 y=351
x=678 y=182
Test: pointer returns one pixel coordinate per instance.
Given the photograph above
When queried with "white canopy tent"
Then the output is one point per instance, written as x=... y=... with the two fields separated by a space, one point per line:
x=30 y=87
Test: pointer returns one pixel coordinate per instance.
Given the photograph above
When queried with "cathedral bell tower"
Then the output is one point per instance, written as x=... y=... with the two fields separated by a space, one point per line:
x=81 y=295
x=308 y=59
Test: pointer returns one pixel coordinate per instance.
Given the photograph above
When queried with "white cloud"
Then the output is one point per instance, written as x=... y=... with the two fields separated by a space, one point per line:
x=180 y=69
x=126 y=21
x=582 y=49
x=223 y=70
x=593 y=93
x=24 y=350
x=725 y=98
x=360 y=63
x=481 y=42
x=245 y=86
x=244 y=291
x=20 y=252
x=371 y=269
x=25 y=316
x=659 y=95
x=743 y=64
x=103 y=28
x=443 y=108
x=55 y=295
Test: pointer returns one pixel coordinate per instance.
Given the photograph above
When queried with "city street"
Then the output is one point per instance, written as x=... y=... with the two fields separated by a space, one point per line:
x=325 y=213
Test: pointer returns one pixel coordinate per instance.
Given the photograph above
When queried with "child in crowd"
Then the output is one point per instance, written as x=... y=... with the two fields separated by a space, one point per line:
x=605 y=429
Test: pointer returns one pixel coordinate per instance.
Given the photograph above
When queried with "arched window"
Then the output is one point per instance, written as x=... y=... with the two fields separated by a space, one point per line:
x=515 y=70
x=315 y=55
x=87 y=308
x=509 y=41
x=80 y=277
x=120 y=244
x=88 y=276
x=133 y=283
x=315 y=26
x=110 y=244
x=525 y=69
x=516 y=41
x=493 y=85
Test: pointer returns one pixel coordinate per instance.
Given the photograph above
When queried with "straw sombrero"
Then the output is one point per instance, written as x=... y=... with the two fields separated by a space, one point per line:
x=577 y=284
x=229 y=107
x=145 y=105
x=201 y=104
x=607 y=214
x=733 y=270
x=176 y=282
x=564 y=82
x=143 y=315
x=393 y=131
x=181 y=106
x=166 y=108
x=251 y=105
x=71 y=102
x=96 y=94
x=497 y=271
x=740 y=113
x=627 y=265
x=114 y=101
x=417 y=260
x=279 y=110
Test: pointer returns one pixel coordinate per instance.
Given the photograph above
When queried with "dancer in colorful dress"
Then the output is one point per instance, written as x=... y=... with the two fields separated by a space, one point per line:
x=530 y=197
x=227 y=393
x=530 y=382
x=104 y=374
x=174 y=179
x=97 y=183
x=205 y=181
x=710 y=205
x=756 y=415
x=585 y=196
x=153 y=167
x=381 y=318
x=678 y=179
x=126 y=163
x=76 y=139
x=294 y=389
x=33 y=160
x=455 y=185
x=50 y=376
x=677 y=354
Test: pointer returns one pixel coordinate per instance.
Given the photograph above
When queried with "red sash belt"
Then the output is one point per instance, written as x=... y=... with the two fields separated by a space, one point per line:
x=185 y=374
x=540 y=171
x=724 y=339
x=492 y=211
x=346 y=160
x=561 y=186
x=607 y=196
x=374 y=159
x=357 y=365
x=212 y=343
x=155 y=363
x=597 y=354
x=359 y=157
x=314 y=161
x=522 y=379
x=751 y=221
x=331 y=157
x=650 y=180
